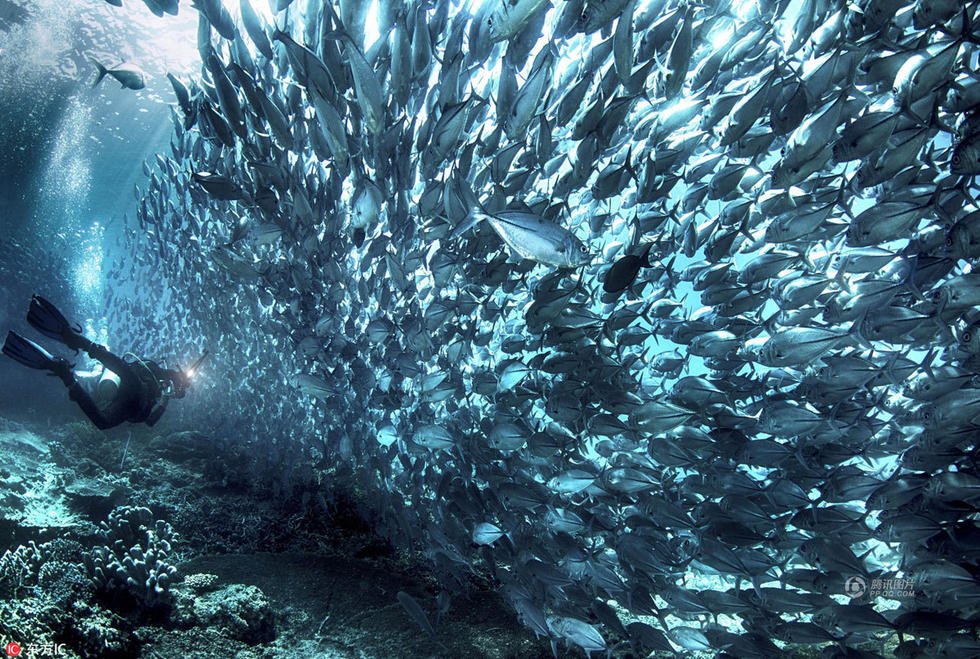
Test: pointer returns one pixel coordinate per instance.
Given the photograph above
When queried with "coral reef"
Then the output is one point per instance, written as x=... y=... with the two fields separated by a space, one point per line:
x=40 y=587
x=108 y=586
x=96 y=632
x=240 y=612
x=131 y=568
x=18 y=570
x=201 y=582
x=52 y=568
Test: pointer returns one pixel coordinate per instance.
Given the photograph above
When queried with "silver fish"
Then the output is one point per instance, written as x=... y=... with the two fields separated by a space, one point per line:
x=532 y=237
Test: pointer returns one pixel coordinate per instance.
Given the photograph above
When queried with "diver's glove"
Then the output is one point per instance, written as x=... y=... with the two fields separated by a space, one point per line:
x=64 y=370
x=75 y=340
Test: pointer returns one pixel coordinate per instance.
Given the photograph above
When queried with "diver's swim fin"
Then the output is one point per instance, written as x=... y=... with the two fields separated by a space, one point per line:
x=50 y=322
x=27 y=352
x=32 y=355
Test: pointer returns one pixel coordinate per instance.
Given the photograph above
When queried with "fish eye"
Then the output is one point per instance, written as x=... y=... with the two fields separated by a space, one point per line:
x=583 y=249
x=956 y=158
x=966 y=337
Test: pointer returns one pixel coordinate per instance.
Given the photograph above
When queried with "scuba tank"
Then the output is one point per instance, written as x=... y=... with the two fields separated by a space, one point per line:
x=107 y=386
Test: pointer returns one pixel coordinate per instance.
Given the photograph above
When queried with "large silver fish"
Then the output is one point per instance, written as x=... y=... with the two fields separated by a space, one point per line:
x=531 y=237
x=127 y=75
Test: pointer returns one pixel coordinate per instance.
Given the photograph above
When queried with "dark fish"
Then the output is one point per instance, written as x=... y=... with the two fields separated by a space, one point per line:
x=161 y=7
x=418 y=615
x=219 y=187
x=625 y=270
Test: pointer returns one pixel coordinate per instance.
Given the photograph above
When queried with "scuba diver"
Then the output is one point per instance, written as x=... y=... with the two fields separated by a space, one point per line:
x=143 y=388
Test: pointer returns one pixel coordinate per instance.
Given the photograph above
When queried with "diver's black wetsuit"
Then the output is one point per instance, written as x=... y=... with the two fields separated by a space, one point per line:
x=144 y=388
x=139 y=398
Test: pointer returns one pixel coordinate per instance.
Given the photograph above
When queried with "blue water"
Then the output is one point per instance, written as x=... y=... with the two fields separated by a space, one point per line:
x=101 y=214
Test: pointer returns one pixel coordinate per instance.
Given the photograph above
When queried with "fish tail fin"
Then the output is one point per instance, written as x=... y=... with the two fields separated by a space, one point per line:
x=672 y=277
x=646 y=256
x=926 y=364
x=102 y=71
x=966 y=33
x=474 y=217
x=281 y=33
x=336 y=35
x=770 y=323
x=628 y=167
x=333 y=15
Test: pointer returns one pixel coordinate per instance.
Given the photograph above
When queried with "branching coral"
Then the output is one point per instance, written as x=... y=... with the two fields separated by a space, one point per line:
x=131 y=569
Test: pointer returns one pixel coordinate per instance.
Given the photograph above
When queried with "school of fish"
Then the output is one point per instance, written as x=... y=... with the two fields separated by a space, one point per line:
x=660 y=315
